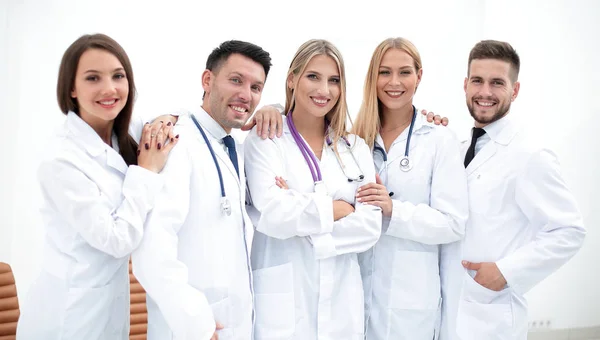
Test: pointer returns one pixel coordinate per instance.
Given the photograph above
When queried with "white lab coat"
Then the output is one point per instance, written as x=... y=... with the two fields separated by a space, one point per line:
x=522 y=217
x=430 y=207
x=194 y=260
x=94 y=208
x=306 y=274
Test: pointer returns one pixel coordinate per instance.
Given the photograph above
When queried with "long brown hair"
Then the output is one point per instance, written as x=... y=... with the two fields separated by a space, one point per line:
x=66 y=83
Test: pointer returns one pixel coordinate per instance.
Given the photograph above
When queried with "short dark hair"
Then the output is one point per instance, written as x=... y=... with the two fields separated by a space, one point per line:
x=500 y=50
x=66 y=83
x=220 y=54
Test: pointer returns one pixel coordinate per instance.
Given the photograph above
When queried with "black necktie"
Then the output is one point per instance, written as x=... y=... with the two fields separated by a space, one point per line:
x=477 y=132
x=230 y=144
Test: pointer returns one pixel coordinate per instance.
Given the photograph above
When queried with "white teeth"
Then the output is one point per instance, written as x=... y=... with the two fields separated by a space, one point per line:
x=239 y=109
x=394 y=93
x=320 y=101
x=484 y=103
x=108 y=102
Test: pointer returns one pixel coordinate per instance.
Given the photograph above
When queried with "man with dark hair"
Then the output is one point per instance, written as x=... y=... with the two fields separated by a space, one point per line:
x=194 y=259
x=524 y=222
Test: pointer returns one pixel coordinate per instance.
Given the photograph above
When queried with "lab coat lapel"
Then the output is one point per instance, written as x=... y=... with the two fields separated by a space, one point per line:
x=482 y=156
x=115 y=161
x=224 y=157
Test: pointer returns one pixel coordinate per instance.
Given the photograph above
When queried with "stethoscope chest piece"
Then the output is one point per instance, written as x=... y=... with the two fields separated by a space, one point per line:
x=405 y=164
x=225 y=206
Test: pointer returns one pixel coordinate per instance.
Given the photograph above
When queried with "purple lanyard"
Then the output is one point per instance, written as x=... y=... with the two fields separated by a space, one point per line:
x=309 y=156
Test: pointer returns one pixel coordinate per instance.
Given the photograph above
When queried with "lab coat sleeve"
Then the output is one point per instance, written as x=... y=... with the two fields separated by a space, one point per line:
x=284 y=213
x=111 y=227
x=551 y=209
x=358 y=231
x=155 y=263
x=443 y=220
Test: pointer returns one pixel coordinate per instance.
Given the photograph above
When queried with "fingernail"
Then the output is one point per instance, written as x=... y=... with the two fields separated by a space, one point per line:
x=158 y=146
x=177 y=136
x=138 y=152
x=171 y=139
x=464 y=263
x=169 y=124
x=147 y=146
x=161 y=121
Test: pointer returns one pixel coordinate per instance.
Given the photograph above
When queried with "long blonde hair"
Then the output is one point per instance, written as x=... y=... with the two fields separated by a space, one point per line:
x=368 y=119
x=339 y=113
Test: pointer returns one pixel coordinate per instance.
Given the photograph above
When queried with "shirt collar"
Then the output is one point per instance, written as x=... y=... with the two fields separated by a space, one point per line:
x=86 y=136
x=210 y=124
x=501 y=131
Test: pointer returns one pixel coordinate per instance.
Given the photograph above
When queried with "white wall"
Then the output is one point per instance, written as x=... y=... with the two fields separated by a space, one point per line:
x=168 y=46
x=6 y=153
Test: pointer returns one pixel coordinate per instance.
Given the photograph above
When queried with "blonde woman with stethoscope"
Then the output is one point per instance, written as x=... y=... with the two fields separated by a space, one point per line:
x=309 y=228
x=422 y=191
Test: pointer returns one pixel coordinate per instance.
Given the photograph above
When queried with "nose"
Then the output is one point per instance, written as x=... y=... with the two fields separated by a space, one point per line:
x=245 y=94
x=395 y=79
x=485 y=90
x=323 y=88
x=109 y=87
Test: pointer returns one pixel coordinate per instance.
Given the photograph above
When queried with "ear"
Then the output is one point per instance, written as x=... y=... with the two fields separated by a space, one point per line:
x=419 y=76
x=73 y=93
x=466 y=82
x=290 y=81
x=207 y=79
x=516 y=88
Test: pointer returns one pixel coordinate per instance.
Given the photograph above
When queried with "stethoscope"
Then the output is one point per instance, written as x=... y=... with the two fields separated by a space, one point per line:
x=311 y=159
x=225 y=204
x=405 y=164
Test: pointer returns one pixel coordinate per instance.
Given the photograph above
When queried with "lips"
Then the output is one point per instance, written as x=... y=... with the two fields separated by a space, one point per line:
x=239 y=109
x=108 y=103
x=320 y=101
x=485 y=103
x=395 y=94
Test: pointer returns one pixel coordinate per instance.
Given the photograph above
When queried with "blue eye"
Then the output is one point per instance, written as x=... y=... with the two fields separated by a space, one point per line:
x=335 y=80
x=384 y=72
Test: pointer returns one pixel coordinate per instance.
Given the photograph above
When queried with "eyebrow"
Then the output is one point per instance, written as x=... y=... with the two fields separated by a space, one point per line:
x=401 y=67
x=242 y=76
x=318 y=73
x=95 y=71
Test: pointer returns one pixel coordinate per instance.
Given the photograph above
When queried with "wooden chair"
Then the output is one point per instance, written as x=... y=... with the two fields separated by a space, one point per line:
x=138 y=313
x=9 y=303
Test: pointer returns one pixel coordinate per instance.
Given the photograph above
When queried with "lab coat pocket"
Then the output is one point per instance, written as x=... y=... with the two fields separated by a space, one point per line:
x=483 y=313
x=222 y=314
x=96 y=313
x=274 y=302
x=415 y=281
x=493 y=190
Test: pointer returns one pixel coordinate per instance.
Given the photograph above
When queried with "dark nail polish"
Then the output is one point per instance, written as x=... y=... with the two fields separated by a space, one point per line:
x=169 y=124
x=161 y=121
x=147 y=146
x=171 y=139
x=158 y=146
x=177 y=136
